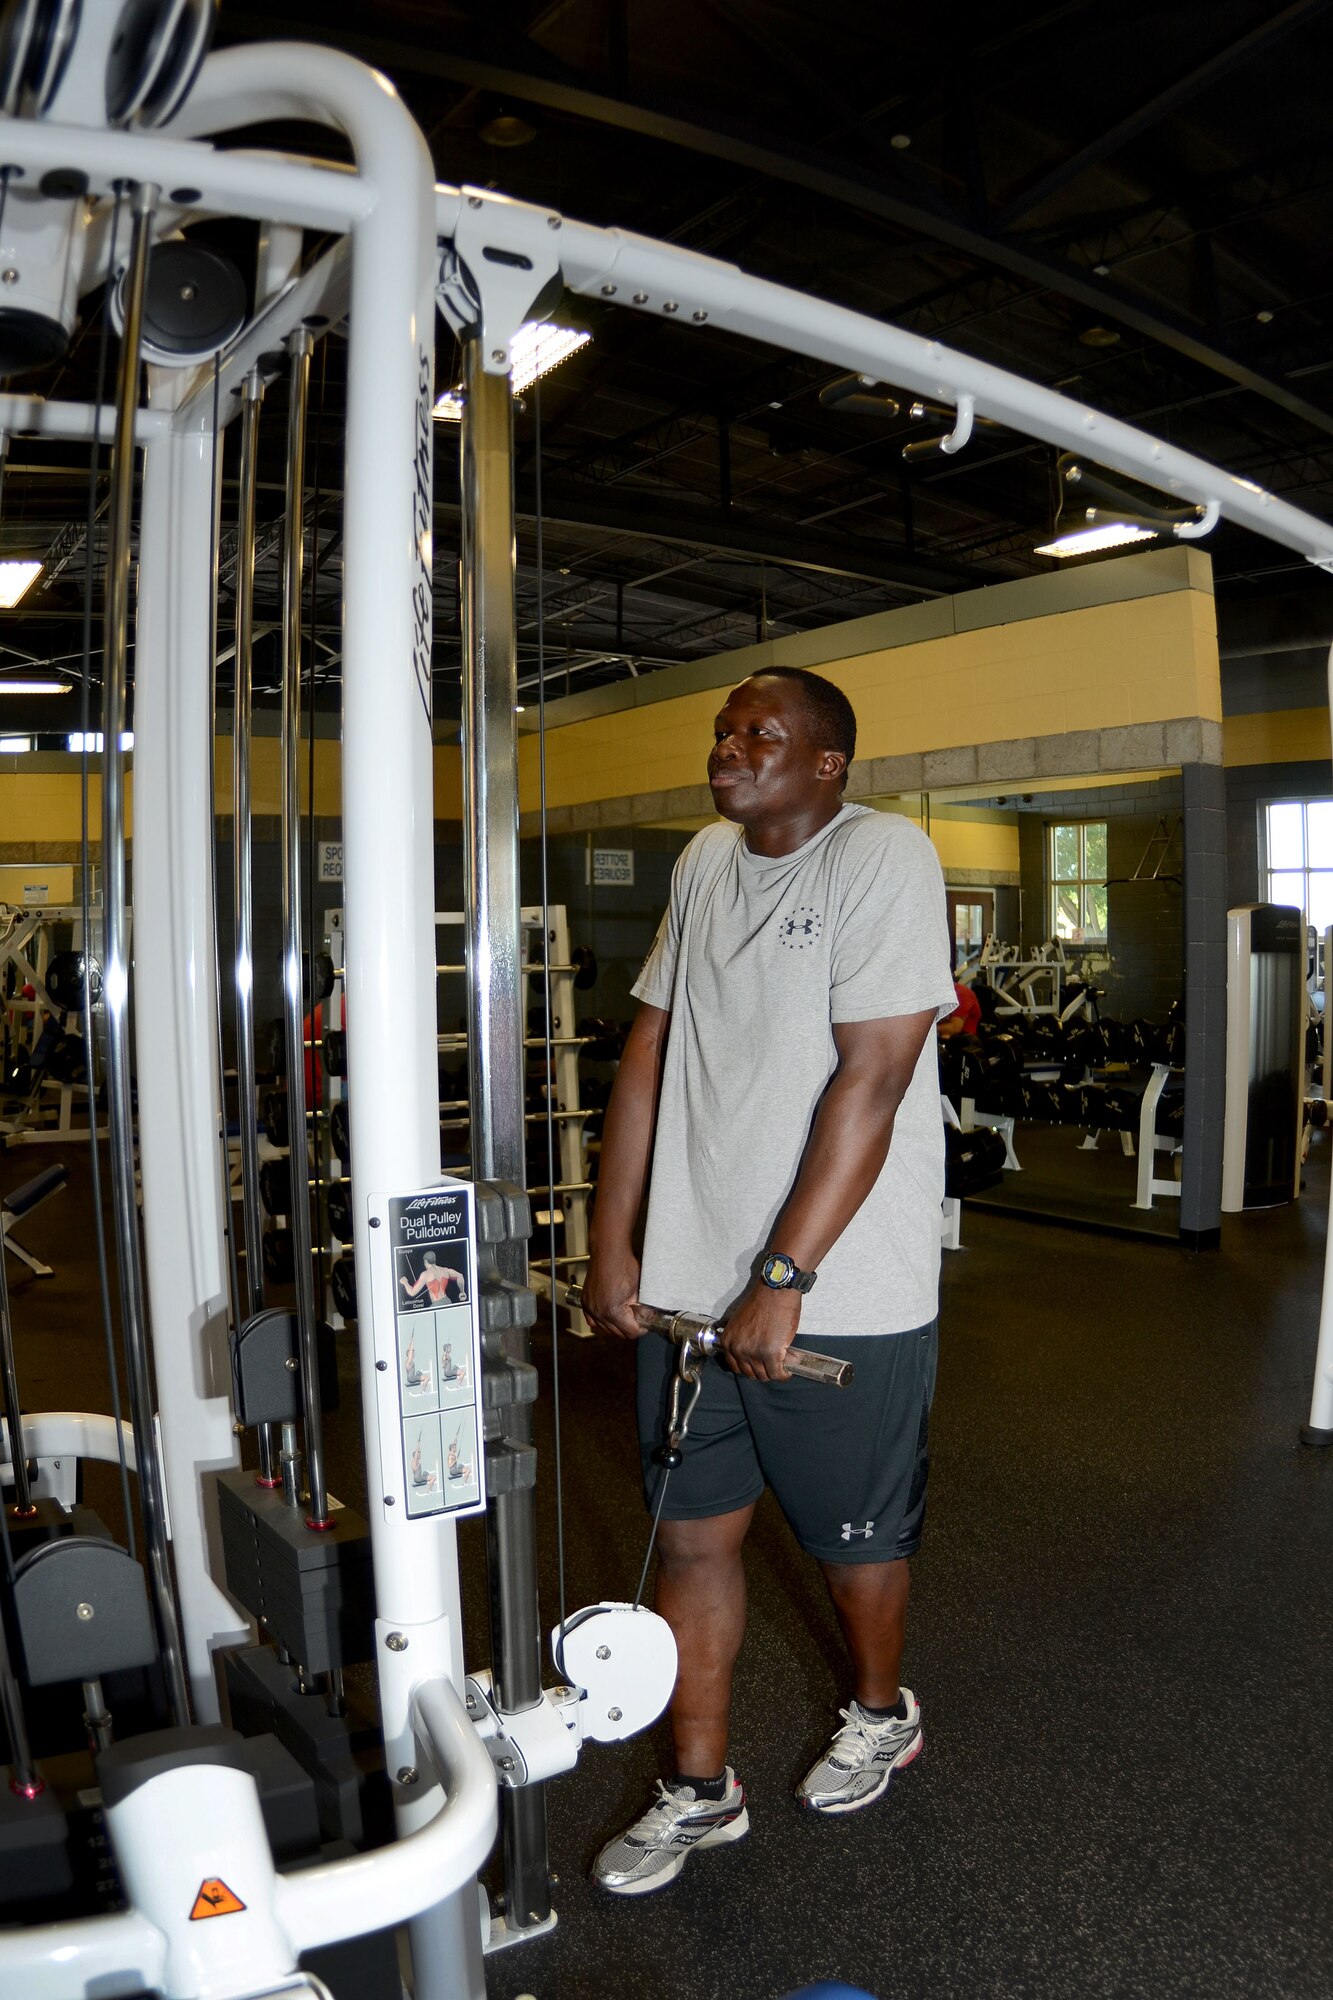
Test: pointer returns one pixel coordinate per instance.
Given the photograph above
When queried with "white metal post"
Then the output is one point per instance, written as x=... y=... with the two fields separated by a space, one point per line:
x=176 y=1030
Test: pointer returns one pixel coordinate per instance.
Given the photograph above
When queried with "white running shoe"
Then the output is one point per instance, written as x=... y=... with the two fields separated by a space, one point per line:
x=653 y=1851
x=860 y=1761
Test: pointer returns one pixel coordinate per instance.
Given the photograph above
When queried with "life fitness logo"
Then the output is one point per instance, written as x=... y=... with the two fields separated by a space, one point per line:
x=422 y=528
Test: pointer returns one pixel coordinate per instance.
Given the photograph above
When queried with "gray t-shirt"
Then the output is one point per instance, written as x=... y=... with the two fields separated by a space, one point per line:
x=756 y=959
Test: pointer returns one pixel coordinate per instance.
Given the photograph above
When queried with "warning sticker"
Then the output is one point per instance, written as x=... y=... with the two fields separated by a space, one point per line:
x=215 y=1899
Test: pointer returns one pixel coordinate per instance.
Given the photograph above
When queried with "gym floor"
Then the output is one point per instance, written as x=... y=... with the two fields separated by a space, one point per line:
x=1121 y=1634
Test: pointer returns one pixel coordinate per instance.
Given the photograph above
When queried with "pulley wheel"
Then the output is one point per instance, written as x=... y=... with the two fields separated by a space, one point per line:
x=56 y=30
x=182 y=63
x=144 y=34
x=194 y=303
x=622 y=1658
x=21 y=32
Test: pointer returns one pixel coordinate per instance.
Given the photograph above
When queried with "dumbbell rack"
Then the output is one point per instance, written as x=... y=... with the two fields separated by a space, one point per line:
x=573 y=1186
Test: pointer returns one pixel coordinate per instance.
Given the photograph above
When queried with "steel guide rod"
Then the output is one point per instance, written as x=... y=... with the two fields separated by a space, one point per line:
x=252 y=1221
x=120 y=1120
x=300 y=348
x=13 y=1413
x=495 y=1025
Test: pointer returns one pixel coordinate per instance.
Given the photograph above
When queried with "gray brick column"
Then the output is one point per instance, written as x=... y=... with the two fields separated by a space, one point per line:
x=1203 y=794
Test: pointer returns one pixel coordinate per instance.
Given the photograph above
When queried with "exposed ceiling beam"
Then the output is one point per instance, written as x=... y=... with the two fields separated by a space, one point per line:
x=1154 y=109
x=737 y=534
x=829 y=177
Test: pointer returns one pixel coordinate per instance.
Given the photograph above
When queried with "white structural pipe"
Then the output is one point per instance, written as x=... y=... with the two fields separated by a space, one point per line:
x=388 y=800
x=666 y=281
x=162 y=1844
x=176 y=1031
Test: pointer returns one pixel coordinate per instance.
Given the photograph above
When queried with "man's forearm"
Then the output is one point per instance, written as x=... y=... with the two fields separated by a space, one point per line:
x=850 y=1134
x=844 y=1157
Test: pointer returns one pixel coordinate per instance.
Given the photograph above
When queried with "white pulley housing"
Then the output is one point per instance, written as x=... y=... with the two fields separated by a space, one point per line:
x=41 y=259
x=622 y=1659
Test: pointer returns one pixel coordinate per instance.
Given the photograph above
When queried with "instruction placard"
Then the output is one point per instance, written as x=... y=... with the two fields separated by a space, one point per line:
x=436 y=1351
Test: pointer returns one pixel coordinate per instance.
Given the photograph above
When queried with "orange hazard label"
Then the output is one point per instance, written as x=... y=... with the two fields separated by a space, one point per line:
x=215 y=1899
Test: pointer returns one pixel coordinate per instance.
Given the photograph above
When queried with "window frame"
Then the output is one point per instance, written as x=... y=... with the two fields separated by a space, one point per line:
x=1266 y=869
x=1083 y=881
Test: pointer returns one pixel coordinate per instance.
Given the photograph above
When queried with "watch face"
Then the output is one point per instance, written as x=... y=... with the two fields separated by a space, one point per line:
x=778 y=1272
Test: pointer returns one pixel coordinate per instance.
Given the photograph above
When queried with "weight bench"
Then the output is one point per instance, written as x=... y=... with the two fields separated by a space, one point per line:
x=22 y=1201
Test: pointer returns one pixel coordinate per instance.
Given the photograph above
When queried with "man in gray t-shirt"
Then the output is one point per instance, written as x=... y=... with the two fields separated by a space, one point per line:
x=778 y=1097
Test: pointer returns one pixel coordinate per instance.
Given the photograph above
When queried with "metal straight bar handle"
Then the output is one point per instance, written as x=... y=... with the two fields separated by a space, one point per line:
x=116 y=985
x=252 y=1220
x=300 y=348
x=705 y=1333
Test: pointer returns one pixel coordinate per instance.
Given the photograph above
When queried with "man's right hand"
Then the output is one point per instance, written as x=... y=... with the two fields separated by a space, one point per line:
x=611 y=1293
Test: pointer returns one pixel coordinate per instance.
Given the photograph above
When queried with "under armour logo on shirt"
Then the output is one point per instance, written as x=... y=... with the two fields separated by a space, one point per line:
x=801 y=927
x=865 y=1533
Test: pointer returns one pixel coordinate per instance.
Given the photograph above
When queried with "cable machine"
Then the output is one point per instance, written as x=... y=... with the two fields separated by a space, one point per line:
x=184 y=1812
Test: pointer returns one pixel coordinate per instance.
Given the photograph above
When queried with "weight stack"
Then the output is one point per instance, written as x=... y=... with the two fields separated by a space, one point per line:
x=313 y=1593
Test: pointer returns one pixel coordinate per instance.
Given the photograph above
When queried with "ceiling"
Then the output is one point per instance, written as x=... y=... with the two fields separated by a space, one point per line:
x=1131 y=204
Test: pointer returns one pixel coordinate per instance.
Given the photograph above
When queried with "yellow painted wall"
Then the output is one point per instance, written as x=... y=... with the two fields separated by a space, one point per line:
x=1147 y=659
x=1287 y=736
x=44 y=806
x=38 y=882
x=984 y=844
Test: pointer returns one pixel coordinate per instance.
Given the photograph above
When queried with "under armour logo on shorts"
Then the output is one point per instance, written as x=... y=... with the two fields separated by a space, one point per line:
x=865 y=1533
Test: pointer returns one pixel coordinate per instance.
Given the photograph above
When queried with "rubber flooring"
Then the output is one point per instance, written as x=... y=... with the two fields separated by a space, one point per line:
x=1121 y=1634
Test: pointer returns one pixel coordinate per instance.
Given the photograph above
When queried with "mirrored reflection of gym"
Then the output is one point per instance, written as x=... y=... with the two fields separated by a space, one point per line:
x=649 y=896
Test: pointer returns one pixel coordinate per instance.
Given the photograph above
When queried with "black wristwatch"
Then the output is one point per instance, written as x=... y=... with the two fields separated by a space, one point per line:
x=781 y=1275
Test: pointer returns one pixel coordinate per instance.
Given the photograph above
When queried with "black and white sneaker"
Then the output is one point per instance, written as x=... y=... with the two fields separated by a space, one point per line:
x=859 y=1764
x=653 y=1851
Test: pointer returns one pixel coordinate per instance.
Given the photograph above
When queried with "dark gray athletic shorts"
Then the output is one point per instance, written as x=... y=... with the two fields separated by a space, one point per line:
x=847 y=1466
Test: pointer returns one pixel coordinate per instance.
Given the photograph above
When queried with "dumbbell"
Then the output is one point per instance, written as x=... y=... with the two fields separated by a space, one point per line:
x=340 y=1132
x=279 y=1256
x=342 y=1284
x=324 y=974
x=273 y=1116
x=275 y=1186
x=335 y=1052
x=340 y=1210
x=271 y=1049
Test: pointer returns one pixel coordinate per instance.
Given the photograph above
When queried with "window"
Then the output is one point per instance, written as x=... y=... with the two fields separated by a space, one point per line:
x=1077 y=858
x=1299 y=849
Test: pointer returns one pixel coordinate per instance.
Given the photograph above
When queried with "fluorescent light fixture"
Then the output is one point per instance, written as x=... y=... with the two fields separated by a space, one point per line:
x=537 y=348
x=1086 y=541
x=534 y=351
x=15 y=745
x=15 y=578
x=8 y=686
x=77 y=743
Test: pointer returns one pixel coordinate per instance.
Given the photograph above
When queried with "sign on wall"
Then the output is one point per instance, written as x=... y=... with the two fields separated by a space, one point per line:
x=330 y=861
x=612 y=867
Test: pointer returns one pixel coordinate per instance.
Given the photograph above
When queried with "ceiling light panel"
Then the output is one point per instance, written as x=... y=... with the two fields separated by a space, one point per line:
x=15 y=578
x=1087 y=541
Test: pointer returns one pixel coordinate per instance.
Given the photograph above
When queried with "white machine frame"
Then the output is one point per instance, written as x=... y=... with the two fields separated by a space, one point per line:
x=404 y=246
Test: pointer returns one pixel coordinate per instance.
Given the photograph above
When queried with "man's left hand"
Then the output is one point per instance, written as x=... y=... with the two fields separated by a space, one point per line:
x=759 y=1331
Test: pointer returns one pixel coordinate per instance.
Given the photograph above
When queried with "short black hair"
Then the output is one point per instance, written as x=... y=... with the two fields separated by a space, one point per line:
x=832 y=717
